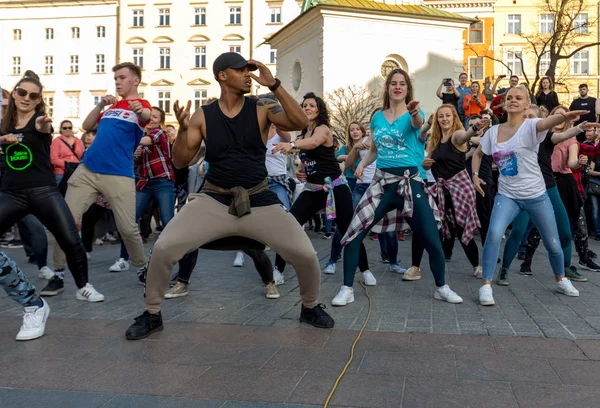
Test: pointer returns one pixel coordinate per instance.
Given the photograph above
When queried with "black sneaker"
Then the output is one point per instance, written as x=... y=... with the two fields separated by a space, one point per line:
x=521 y=256
x=144 y=325
x=54 y=287
x=385 y=258
x=32 y=260
x=327 y=235
x=526 y=269
x=589 y=264
x=592 y=254
x=448 y=258
x=317 y=316
x=597 y=238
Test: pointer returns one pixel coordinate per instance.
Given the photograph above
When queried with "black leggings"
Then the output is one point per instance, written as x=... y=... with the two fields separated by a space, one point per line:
x=88 y=223
x=49 y=206
x=310 y=202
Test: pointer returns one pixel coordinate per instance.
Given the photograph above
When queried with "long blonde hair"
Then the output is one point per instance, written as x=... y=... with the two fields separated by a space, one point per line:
x=436 y=130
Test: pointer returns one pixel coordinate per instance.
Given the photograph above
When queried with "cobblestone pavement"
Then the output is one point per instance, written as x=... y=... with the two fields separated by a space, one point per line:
x=225 y=345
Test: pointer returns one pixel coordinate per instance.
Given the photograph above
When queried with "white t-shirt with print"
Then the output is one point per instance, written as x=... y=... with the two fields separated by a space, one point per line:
x=369 y=171
x=517 y=160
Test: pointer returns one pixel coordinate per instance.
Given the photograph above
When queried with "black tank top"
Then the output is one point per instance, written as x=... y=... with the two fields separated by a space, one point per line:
x=449 y=161
x=320 y=163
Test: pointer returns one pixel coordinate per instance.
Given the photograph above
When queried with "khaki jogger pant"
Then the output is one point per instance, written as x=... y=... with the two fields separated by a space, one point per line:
x=84 y=188
x=204 y=219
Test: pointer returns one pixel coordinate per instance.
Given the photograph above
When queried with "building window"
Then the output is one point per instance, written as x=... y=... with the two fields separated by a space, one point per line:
x=138 y=18
x=199 y=57
x=275 y=14
x=101 y=32
x=100 y=63
x=580 y=24
x=513 y=62
x=388 y=66
x=164 y=17
x=476 y=68
x=49 y=33
x=16 y=66
x=544 y=63
x=97 y=99
x=513 y=24
x=49 y=101
x=17 y=34
x=580 y=63
x=476 y=33
x=138 y=57
x=165 y=58
x=72 y=106
x=48 y=64
x=200 y=96
x=74 y=65
x=235 y=15
x=164 y=101
x=235 y=48
x=75 y=32
x=200 y=16
x=546 y=23
x=272 y=55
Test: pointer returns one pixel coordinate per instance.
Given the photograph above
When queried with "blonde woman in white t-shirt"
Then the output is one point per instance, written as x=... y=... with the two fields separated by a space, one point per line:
x=514 y=146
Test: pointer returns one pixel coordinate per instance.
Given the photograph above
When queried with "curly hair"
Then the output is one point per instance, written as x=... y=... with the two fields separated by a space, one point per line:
x=323 y=117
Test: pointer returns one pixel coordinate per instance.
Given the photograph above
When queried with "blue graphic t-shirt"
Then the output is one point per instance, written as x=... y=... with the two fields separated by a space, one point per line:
x=349 y=171
x=398 y=144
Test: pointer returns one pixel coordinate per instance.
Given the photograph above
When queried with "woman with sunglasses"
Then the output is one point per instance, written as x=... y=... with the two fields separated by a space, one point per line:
x=29 y=185
x=66 y=148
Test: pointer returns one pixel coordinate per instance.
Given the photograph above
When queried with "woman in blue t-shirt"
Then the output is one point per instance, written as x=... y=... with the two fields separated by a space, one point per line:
x=398 y=149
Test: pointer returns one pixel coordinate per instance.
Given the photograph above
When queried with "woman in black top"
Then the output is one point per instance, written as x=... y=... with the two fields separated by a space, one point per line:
x=319 y=166
x=29 y=184
x=546 y=96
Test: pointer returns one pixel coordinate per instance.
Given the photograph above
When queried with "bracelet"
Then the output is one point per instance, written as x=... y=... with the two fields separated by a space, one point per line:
x=275 y=86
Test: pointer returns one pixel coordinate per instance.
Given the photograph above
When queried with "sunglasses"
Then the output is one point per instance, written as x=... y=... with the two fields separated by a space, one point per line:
x=32 y=95
x=67 y=128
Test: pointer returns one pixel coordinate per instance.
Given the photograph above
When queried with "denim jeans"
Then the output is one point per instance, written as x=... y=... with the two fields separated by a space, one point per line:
x=163 y=191
x=595 y=200
x=505 y=211
x=281 y=193
x=358 y=189
x=388 y=244
x=14 y=282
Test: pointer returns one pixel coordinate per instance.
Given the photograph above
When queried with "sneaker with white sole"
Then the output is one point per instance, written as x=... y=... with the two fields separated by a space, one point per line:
x=344 y=296
x=109 y=237
x=368 y=279
x=239 y=260
x=178 y=290
x=486 y=295
x=89 y=293
x=330 y=268
x=98 y=241
x=34 y=321
x=88 y=255
x=46 y=273
x=278 y=277
x=119 y=266
x=396 y=267
x=478 y=272
x=271 y=291
x=566 y=288
x=412 y=274
x=446 y=294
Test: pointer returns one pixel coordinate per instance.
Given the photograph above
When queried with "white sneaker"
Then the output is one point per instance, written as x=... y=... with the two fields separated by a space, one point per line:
x=34 y=322
x=446 y=294
x=566 y=288
x=486 y=296
x=119 y=266
x=109 y=237
x=278 y=277
x=397 y=268
x=271 y=291
x=239 y=259
x=88 y=256
x=330 y=269
x=89 y=293
x=345 y=296
x=478 y=272
x=98 y=241
x=368 y=278
x=46 y=273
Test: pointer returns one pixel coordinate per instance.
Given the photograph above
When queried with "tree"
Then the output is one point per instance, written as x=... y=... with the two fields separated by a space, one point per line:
x=348 y=104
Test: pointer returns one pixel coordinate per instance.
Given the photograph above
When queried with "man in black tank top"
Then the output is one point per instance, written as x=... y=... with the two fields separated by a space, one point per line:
x=235 y=200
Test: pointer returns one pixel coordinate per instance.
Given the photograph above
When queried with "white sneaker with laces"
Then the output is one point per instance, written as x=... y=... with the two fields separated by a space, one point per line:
x=278 y=277
x=478 y=272
x=89 y=293
x=344 y=296
x=119 y=266
x=239 y=259
x=397 y=268
x=368 y=279
x=98 y=241
x=46 y=273
x=486 y=295
x=34 y=322
x=446 y=294
x=109 y=237
x=566 y=288
x=330 y=269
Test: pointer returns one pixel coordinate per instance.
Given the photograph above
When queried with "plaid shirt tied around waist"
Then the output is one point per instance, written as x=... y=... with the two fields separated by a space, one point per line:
x=328 y=188
x=462 y=194
x=392 y=221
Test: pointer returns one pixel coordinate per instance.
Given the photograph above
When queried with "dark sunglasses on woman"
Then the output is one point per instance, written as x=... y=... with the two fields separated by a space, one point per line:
x=32 y=95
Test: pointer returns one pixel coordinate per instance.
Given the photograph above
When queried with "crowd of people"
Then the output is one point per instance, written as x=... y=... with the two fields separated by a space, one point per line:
x=232 y=177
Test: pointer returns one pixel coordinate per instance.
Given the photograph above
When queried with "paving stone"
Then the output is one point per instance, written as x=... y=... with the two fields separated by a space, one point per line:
x=145 y=401
x=500 y=368
x=574 y=372
x=231 y=355
x=550 y=395
x=18 y=398
x=304 y=358
x=409 y=364
x=537 y=348
x=450 y=344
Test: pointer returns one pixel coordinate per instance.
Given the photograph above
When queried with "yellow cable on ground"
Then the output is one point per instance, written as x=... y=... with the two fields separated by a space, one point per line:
x=337 y=382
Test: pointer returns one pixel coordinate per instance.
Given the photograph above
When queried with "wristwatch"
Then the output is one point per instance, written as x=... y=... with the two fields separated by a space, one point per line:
x=293 y=145
x=275 y=85
x=476 y=174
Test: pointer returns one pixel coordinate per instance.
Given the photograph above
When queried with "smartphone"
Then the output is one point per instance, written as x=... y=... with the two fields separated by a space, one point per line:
x=447 y=81
x=502 y=76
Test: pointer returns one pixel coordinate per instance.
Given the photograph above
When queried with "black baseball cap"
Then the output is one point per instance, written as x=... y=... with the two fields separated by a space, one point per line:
x=231 y=60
